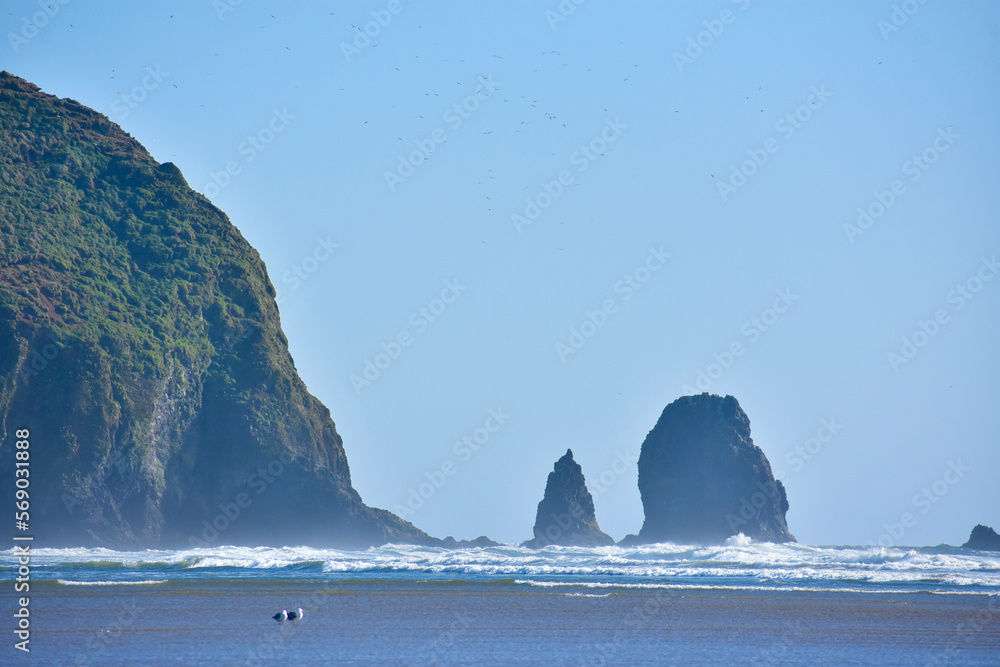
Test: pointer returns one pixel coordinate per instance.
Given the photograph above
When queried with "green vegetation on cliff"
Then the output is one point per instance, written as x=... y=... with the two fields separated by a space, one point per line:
x=140 y=343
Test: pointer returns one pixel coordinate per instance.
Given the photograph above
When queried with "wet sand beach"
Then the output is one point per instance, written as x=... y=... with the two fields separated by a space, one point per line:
x=385 y=621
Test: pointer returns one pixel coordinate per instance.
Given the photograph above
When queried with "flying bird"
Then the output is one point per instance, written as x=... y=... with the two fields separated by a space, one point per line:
x=281 y=616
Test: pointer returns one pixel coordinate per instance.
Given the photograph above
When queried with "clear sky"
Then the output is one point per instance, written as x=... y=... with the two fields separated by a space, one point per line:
x=613 y=205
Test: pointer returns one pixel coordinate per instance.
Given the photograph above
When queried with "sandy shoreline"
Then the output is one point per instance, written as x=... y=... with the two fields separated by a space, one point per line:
x=411 y=622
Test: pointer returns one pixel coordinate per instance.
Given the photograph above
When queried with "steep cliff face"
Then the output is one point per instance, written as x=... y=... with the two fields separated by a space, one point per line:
x=140 y=344
x=566 y=514
x=703 y=480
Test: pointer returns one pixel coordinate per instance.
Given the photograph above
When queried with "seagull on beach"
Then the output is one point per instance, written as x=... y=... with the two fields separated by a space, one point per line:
x=295 y=615
x=281 y=616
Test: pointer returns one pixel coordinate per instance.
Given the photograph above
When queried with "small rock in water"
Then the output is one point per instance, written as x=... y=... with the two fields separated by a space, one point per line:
x=983 y=538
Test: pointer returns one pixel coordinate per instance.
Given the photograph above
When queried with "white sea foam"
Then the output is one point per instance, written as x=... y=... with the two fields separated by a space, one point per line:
x=111 y=583
x=738 y=587
x=739 y=540
x=737 y=564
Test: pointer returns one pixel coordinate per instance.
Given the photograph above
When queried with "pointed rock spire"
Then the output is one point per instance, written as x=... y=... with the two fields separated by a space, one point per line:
x=566 y=514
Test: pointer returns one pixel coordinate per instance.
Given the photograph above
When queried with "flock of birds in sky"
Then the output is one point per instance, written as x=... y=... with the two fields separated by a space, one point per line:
x=485 y=181
x=523 y=98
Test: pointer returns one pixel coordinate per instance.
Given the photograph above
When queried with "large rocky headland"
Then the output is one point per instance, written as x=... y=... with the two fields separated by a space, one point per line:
x=141 y=346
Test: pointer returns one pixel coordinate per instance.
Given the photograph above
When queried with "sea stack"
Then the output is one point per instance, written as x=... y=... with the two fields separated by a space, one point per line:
x=703 y=480
x=566 y=514
x=983 y=538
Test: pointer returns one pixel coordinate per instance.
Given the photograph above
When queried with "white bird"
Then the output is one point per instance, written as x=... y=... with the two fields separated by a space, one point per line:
x=295 y=615
x=281 y=616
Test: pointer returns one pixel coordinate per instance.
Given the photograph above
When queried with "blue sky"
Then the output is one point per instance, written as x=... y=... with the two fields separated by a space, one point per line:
x=541 y=226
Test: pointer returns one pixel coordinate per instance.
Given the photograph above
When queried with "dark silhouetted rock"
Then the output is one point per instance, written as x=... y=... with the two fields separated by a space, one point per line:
x=703 y=480
x=983 y=538
x=566 y=514
x=451 y=543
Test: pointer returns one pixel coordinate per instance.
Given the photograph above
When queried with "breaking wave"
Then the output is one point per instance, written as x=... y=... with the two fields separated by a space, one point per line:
x=738 y=564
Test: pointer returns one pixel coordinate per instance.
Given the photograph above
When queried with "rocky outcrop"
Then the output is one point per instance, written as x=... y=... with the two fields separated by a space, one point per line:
x=566 y=514
x=141 y=349
x=983 y=538
x=451 y=543
x=703 y=480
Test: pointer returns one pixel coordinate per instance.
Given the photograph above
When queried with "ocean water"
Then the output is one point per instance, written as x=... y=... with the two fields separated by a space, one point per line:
x=739 y=603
